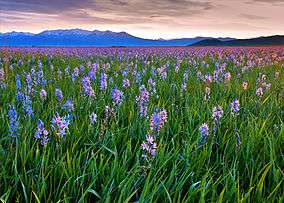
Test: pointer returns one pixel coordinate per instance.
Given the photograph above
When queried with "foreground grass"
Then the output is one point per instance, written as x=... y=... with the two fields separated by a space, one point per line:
x=103 y=162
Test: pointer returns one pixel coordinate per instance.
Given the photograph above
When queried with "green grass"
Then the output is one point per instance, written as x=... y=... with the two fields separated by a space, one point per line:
x=103 y=163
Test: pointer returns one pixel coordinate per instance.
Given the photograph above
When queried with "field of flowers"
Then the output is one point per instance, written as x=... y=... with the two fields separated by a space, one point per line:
x=142 y=124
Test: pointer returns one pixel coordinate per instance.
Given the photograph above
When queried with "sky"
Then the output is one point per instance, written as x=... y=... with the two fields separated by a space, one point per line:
x=151 y=19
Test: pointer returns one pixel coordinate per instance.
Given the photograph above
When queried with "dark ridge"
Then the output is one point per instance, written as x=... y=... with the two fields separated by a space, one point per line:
x=260 y=41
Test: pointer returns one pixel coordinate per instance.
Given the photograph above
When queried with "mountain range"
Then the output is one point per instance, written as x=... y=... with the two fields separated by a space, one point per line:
x=259 y=41
x=84 y=38
x=79 y=37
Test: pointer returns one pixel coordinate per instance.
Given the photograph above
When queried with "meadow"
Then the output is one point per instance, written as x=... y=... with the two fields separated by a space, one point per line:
x=142 y=124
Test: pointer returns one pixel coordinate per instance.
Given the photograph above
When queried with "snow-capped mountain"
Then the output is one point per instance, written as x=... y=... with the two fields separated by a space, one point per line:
x=80 y=37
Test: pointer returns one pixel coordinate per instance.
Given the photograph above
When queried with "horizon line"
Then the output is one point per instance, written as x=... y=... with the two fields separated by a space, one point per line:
x=200 y=36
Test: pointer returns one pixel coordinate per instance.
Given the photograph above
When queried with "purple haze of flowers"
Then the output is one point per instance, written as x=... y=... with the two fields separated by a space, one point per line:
x=117 y=96
x=60 y=124
x=235 y=106
x=59 y=94
x=217 y=113
x=103 y=81
x=87 y=88
x=13 y=122
x=41 y=134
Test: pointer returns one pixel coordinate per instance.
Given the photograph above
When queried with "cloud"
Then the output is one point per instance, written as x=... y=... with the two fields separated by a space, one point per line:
x=119 y=7
x=112 y=12
x=50 y=6
x=158 y=18
x=252 y=17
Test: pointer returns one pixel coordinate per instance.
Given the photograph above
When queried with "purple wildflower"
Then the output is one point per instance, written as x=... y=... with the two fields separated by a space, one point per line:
x=217 y=113
x=117 y=96
x=200 y=76
x=227 y=76
x=18 y=82
x=60 y=124
x=40 y=77
x=158 y=120
x=208 y=78
x=29 y=84
x=67 y=71
x=19 y=96
x=103 y=81
x=204 y=131
x=13 y=122
x=2 y=75
x=164 y=116
x=92 y=73
x=69 y=106
x=41 y=133
x=259 y=92
x=177 y=68
x=87 y=88
x=42 y=94
x=59 y=94
x=75 y=74
x=59 y=73
x=155 y=121
x=27 y=105
x=93 y=118
x=183 y=86
x=149 y=147
x=82 y=68
x=126 y=83
x=143 y=101
x=235 y=106
x=138 y=78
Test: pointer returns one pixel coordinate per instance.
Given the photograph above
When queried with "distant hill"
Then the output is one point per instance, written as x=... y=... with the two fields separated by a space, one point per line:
x=79 y=37
x=271 y=40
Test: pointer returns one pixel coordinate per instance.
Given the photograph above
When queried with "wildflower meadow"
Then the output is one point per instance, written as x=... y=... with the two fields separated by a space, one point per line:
x=142 y=124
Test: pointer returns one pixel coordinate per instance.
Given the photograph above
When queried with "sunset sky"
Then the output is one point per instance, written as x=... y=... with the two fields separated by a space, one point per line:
x=148 y=18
